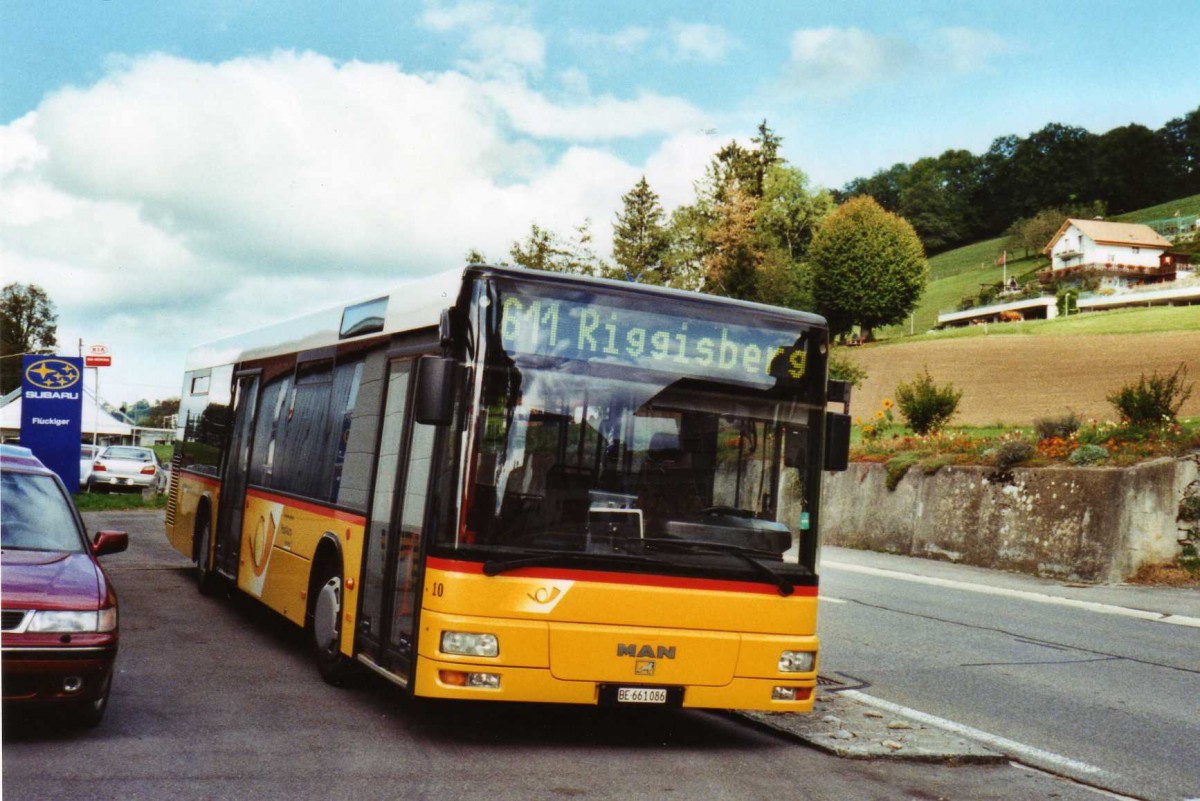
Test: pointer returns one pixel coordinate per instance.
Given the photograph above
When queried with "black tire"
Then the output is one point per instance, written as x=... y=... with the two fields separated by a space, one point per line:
x=206 y=576
x=325 y=627
x=88 y=714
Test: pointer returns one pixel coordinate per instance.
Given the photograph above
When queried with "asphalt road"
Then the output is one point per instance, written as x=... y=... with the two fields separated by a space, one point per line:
x=215 y=698
x=1113 y=699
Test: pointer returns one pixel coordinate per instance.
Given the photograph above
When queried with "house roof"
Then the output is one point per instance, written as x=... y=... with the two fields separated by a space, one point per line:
x=1103 y=232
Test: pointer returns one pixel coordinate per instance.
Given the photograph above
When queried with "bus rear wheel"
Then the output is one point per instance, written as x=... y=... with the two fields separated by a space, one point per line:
x=206 y=576
x=326 y=628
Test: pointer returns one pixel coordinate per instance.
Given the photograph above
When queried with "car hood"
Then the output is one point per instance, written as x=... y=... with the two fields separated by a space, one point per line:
x=50 y=580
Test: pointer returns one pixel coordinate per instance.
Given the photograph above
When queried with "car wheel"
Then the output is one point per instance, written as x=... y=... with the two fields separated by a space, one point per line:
x=206 y=576
x=326 y=627
x=88 y=714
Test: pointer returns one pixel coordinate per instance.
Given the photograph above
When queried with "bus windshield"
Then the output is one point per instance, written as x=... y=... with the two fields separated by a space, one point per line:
x=608 y=424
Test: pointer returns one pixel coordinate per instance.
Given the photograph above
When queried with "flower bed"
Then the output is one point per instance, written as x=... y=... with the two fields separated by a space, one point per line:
x=1094 y=443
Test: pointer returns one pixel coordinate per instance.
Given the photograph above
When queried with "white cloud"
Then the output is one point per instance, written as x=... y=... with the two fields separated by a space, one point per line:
x=600 y=118
x=173 y=201
x=830 y=61
x=970 y=49
x=839 y=60
x=461 y=15
x=699 y=42
x=497 y=40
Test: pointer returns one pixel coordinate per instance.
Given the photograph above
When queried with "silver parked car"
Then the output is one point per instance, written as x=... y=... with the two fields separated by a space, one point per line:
x=125 y=467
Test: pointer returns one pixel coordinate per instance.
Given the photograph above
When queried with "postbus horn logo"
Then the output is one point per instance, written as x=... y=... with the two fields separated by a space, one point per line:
x=52 y=374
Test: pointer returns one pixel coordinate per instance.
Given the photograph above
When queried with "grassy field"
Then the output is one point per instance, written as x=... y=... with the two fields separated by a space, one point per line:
x=1117 y=321
x=1181 y=207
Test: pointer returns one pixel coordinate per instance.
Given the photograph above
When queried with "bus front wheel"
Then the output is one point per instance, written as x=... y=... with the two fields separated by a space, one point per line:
x=326 y=626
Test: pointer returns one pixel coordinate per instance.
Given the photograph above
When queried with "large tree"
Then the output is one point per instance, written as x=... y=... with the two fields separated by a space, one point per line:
x=1181 y=138
x=639 y=237
x=868 y=267
x=542 y=249
x=28 y=324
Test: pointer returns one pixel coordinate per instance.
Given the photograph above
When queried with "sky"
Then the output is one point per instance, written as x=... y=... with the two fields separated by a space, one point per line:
x=175 y=172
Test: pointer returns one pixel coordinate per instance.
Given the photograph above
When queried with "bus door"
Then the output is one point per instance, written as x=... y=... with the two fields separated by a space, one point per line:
x=233 y=482
x=391 y=566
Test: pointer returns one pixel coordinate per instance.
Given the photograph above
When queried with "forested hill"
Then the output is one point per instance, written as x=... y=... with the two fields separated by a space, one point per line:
x=959 y=197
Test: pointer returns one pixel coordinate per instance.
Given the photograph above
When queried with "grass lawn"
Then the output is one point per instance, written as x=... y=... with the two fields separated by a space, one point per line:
x=118 y=501
x=1117 y=321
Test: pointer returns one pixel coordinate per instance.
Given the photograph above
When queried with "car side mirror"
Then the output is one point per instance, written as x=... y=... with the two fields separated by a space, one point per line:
x=110 y=542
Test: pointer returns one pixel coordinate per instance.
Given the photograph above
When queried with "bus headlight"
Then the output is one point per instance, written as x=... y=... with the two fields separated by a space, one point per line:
x=797 y=661
x=466 y=644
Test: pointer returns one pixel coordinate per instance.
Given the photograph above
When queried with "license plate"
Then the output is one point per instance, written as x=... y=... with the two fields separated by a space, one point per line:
x=641 y=695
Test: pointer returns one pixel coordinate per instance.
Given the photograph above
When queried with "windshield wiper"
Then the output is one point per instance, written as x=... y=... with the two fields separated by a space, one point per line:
x=494 y=567
x=747 y=555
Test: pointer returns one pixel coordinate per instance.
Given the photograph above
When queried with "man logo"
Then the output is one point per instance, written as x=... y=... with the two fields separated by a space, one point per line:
x=643 y=668
x=52 y=374
x=646 y=651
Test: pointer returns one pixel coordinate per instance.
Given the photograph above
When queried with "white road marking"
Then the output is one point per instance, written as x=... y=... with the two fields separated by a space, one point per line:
x=1097 y=790
x=825 y=599
x=1039 y=597
x=1012 y=748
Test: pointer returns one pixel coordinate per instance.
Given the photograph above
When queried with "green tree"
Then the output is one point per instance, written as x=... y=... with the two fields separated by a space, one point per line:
x=791 y=210
x=28 y=324
x=868 y=267
x=1133 y=166
x=938 y=197
x=639 y=237
x=1181 y=138
x=1032 y=234
x=542 y=249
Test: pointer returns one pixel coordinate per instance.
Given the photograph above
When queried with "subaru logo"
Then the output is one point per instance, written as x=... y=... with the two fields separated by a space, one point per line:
x=52 y=374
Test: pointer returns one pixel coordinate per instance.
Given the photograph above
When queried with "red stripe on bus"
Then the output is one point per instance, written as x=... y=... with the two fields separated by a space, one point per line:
x=308 y=506
x=638 y=579
x=211 y=481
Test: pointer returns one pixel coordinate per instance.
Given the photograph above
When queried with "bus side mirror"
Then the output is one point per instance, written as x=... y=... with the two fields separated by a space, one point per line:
x=837 y=441
x=435 y=390
x=839 y=392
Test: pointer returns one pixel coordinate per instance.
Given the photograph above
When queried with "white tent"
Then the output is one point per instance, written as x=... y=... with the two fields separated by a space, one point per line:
x=95 y=420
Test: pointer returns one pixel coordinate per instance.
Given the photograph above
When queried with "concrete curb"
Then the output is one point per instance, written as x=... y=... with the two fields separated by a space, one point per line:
x=848 y=728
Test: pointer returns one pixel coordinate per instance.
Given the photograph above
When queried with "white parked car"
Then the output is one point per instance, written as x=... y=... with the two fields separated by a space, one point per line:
x=87 y=455
x=125 y=467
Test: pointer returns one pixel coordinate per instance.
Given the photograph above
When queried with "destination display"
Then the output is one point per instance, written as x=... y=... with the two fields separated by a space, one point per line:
x=600 y=331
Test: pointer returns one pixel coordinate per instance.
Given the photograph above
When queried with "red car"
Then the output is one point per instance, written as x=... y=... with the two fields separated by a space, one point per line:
x=58 y=608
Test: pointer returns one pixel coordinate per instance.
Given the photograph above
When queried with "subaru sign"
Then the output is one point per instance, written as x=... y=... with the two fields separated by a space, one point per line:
x=51 y=412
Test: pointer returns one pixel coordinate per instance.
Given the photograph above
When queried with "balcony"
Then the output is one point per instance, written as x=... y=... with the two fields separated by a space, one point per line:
x=1135 y=272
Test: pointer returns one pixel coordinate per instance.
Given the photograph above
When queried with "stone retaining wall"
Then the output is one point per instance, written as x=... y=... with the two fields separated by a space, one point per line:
x=1085 y=524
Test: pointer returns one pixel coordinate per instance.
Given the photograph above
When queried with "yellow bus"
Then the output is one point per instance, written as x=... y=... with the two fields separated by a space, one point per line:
x=504 y=484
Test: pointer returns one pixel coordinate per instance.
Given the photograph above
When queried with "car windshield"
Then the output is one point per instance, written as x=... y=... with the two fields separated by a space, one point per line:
x=87 y=452
x=136 y=454
x=36 y=515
